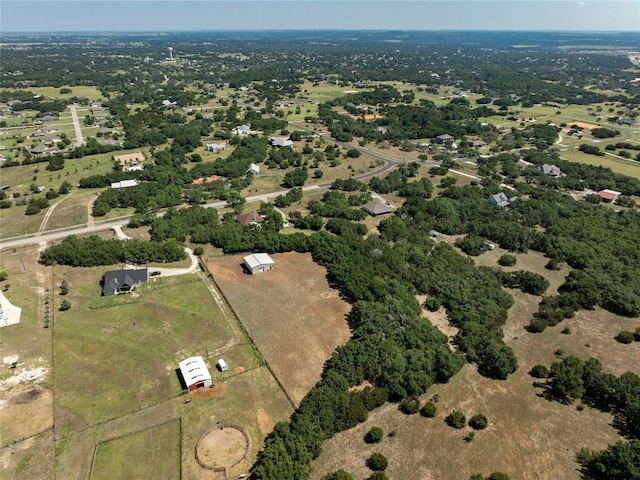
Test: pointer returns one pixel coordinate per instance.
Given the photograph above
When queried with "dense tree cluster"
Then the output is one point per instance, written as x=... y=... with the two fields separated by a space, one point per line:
x=93 y=251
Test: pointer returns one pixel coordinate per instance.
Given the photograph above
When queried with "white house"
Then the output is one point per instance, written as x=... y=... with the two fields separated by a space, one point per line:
x=195 y=373
x=254 y=169
x=216 y=147
x=124 y=184
x=280 y=142
x=242 y=130
x=258 y=262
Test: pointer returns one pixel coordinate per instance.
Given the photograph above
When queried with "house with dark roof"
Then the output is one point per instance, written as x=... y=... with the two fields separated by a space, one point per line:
x=251 y=218
x=377 y=208
x=122 y=281
x=441 y=139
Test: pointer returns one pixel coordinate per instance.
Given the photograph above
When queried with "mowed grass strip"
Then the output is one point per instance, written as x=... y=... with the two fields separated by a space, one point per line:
x=152 y=454
x=112 y=361
x=624 y=167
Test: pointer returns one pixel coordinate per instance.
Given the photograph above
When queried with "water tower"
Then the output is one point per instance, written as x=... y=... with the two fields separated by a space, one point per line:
x=170 y=53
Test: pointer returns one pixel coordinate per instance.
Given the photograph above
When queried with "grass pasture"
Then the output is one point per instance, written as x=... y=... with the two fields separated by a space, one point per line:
x=112 y=361
x=618 y=165
x=293 y=301
x=158 y=448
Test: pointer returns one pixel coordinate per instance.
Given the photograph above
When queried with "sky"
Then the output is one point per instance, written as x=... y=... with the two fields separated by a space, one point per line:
x=175 y=15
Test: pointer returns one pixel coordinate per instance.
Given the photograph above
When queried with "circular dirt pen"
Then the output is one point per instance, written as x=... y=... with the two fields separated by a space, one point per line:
x=222 y=447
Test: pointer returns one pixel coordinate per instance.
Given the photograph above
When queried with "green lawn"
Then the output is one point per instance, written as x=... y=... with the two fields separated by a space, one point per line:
x=624 y=167
x=151 y=454
x=113 y=361
x=90 y=92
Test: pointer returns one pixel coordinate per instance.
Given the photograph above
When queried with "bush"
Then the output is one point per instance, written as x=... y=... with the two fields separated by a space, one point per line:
x=507 y=260
x=378 y=476
x=409 y=405
x=625 y=337
x=198 y=251
x=429 y=410
x=478 y=422
x=3 y=276
x=377 y=462
x=374 y=435
x=65 y=305
x=552 y=264
x=456 y=419
x=636 y=334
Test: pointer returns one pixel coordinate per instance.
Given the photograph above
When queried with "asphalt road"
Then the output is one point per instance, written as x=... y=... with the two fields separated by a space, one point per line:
x=76 y=125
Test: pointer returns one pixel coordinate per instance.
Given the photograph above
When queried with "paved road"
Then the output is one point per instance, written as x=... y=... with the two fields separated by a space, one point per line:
x=76 y=126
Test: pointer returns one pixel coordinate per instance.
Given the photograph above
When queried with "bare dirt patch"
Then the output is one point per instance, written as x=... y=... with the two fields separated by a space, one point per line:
x=25 y=413
x=265 y=422
x=215 y=391
x=222 y=447
x=295 y=318
x=588 y=126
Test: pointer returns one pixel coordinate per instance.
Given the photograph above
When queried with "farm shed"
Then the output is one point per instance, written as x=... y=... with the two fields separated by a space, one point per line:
x=258 y=262
x=608 y=195
x=222 y=365
x=121 y=281
x=195 y=373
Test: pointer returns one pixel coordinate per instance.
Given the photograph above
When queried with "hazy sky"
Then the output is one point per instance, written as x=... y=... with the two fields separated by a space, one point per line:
x=154 y=15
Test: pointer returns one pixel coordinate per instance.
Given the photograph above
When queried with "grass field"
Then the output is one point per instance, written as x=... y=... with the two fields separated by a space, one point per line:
x=624 y=167
x=124 y=358
x=90 y=92
x=294 y=301
x=158 y=446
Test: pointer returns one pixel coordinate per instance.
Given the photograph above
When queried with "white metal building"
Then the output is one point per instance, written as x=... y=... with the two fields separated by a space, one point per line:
x=258 y=262
x=195 y=373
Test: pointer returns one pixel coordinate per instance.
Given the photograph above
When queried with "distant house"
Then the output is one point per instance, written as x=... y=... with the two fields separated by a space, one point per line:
x=195 y=373
x=551 y=170
x=122 y=281
x=110 y=142
x=459 y=93
x=381 y=129
x=215 y=147
x=499 y=199
x=608 y=195
x=47 y=140
x=242 y=130
x=124 y=184
x=280 y=142
x=422 y=146
x=441 y=139
x=253 y=169
x=205 y=180
x=131 y=161
x=45 y=131
x=377 y=208
x=251 y=218
x=476 y=143
x=434 y=233
x=49 y=118
x=258 y=262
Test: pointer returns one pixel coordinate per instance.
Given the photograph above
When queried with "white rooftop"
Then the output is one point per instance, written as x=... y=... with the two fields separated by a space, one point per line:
x=194 y=370
x=257 y=259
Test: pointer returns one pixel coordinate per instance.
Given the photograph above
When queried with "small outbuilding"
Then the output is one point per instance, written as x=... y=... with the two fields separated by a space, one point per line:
x=222 y=365
x=608 y=195
x=195 y=373
x=258 y=263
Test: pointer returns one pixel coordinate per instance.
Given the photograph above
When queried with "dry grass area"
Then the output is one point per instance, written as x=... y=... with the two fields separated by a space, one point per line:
x=529 y=437
x=296 y=318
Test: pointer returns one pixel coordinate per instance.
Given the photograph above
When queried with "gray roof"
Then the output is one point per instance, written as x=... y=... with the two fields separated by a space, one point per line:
x=377 y=208
x=115 y=280
x=498 y=199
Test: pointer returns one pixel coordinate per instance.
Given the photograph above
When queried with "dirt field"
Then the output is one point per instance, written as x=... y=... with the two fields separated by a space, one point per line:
x=295 y=318
x=222 y=447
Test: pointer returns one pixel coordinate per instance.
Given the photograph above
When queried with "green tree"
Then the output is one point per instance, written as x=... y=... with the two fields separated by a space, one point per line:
x=64 y=288
x=566 y=378
x=539 y=371
x=429 y=410
x=3 y=276
x=456 y=419
x=338 y=475
x=374 y=435
x=478 y=422
x=377 y=462
x=65 y=305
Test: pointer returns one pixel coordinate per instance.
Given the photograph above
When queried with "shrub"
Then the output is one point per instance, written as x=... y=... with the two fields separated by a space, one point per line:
x=456 y=419
x=378 y=476
x=636 y=334
x=625 y=337
x=65 y=305
x=198 y=251
x=374 y=435
x=478 y=422
x=429 y=410
x=409 y=405
x=552 y=264
x=377 y=462
x=507 y=260
x=539 y=371
x=566 y=331
x=3 y=276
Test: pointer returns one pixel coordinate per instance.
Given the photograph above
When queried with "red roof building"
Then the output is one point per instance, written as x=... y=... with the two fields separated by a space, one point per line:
x=609 y=195
x=201 y=181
